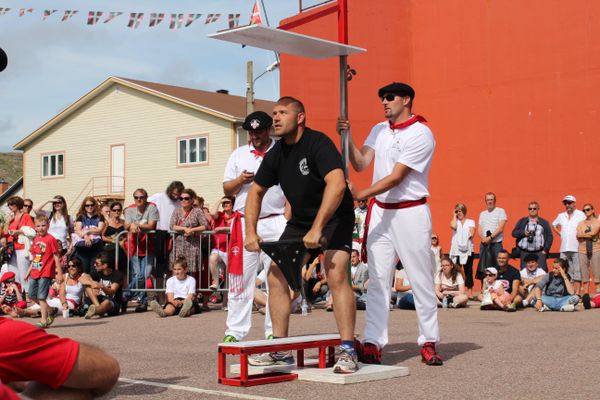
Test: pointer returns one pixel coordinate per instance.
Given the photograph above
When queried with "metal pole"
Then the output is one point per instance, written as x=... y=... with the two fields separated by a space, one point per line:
x=343 y=38
x=249 y=89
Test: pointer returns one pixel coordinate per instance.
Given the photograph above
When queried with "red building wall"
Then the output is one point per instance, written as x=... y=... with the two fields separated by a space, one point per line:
x=509 y=88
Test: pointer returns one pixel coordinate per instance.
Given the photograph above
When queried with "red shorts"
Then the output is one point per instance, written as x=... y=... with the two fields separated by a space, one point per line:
x=28 y=353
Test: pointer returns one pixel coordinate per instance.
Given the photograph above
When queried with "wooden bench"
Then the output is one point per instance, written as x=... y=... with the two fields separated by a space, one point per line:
x=324 y=343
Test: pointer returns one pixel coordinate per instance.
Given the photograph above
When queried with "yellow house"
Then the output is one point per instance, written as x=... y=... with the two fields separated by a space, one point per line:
x=127 y=134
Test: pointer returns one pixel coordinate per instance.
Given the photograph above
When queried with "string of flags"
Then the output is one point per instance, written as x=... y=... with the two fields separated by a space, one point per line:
x=177 y=21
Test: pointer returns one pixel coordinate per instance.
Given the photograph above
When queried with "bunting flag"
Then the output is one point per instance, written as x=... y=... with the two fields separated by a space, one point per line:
x=191 y=18
x=135 y=19
x=93 y=17
x=22 y=11
x=112 y=15
x=176 y=21
x=4 y=10
x=48 y=13
x=255 y=16
x=156 y=18
x=210 y=18
x=234 y=20
x=69 y=14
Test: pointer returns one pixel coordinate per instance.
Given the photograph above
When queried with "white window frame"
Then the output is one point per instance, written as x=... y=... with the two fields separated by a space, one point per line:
x=241 y=136
x=53 y=159
x=191 y=141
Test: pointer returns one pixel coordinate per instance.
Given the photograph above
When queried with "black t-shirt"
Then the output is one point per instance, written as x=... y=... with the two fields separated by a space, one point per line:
x=300 y=170
x=108 y=280
x=507 y=277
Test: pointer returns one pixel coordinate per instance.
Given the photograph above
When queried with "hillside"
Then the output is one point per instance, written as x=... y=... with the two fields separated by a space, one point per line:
x=11 y=166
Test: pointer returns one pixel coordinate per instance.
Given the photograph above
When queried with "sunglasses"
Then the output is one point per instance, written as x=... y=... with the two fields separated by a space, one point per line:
x=434 y=238
x=116 y=210
x=27 y=205
x=139 y=197
x=72 y=266
x=57 y=202
x=490 y=275
x=532 y=208
x=389 y=97
x=588 y=209
x=184 y=198
x=566 y=203
x=90 y=205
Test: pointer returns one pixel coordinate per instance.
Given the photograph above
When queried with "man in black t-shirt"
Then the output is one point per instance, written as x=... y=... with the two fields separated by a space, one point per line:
x=309 y=169
x=103 y=288
x=510 y=278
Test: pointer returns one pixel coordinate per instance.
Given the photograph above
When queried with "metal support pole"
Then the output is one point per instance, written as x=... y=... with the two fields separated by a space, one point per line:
x=344 y=110
x=249 y=89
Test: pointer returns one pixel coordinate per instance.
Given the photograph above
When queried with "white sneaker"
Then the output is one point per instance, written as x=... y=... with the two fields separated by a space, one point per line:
x=568 y=308
x=544 y=308
x=275 y=358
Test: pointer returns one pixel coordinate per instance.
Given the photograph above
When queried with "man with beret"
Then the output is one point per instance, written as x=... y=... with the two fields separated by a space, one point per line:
x=242 y=264
x=534 y=236
x=530 y=276
x=398 y=224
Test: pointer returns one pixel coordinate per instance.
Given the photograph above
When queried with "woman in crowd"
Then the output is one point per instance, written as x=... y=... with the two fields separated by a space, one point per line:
x=112 y=227
x=494 y=297
x=555 y=292
x=87 y=238
x=461 y=249
x=449 y=284
x=221 y=222
x=588 y=233
x=404 y=295
x=188 y=222
x=61 y=224
x=20 y=233
x=437 y=251
x=181 y=289
x=70 y=291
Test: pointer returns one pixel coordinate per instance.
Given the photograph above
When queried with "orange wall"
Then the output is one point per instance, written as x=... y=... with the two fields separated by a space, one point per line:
x=509 y=89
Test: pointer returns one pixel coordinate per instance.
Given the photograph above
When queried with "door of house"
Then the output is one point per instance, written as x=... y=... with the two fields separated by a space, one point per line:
x=117 y=169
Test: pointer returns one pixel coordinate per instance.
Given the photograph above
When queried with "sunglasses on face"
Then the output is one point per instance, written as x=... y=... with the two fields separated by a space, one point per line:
x=388 y=97
x=72 y=266
x=588 y=209
x=490 y=275
x=434 y=238
x=90 y=205
x=182 y=198
x=532 y=208
x=116 y=210
x=27 y=205
x=139 y=197
x=566 y=203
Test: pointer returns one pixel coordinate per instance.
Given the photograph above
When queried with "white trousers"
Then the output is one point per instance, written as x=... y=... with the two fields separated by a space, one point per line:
x=239 y=315
x=19 y=263
x=404 y=233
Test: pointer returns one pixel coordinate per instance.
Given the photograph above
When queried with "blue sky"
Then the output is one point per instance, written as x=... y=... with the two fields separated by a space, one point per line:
x=53 y=63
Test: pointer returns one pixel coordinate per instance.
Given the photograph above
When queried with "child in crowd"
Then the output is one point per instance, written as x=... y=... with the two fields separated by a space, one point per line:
x=499 y=298
x=44 y=267
x=10 y=293
x=181 y=292
x=437 y=251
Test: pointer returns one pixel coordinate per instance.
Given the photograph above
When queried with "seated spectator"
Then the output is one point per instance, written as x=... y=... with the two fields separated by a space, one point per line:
x=87 y=238
x=590 y=302
x=11 y=293
x=51 y=367
x=555 y=292
x=218 y=255
x=510 y=279
x=105 y=211
x=70 y=292
x=450 y=284
x=103 y=288
x=494 y=295
x=404 y=298
x=315 y=281
x=180 y=292
x=530 y=276
x=360 y=279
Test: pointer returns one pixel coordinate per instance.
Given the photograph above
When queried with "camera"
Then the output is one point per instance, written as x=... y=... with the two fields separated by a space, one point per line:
x=530 y=237
x=488 y=233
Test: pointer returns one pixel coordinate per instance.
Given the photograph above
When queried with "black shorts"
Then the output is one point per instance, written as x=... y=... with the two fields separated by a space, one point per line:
x=337 y=233
x=116 y=306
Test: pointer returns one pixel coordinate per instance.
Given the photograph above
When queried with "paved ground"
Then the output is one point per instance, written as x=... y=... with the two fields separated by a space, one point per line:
x=489 y=354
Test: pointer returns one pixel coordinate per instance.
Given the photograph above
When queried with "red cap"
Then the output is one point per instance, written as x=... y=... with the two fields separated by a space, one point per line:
x=7 y=275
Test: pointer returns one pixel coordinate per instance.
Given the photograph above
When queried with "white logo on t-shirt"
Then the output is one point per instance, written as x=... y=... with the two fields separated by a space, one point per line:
x=303 y=166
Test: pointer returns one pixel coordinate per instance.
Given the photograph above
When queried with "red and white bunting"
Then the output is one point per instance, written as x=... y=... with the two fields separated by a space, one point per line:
x=4 y=10
x=234 y=20
x=176 y=21
x=255 y=16
x=93 y=17
x=48 y=13
x=112 y=15
x=156 y=18
x=22 y=11
x=210 y=18
x=135 y=19
x=191 y=18
x=69 y=14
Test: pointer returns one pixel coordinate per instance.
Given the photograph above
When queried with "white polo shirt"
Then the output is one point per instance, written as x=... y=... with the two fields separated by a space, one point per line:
x=412 y=146
x=568 y=229
x=242 y=159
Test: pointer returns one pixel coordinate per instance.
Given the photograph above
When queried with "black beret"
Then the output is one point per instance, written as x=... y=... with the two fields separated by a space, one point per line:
x=257 y=121
x=531 y=257
x=401 y=89
x=3 y=60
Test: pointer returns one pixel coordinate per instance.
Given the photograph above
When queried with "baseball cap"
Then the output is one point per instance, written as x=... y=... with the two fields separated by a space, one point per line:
x=257 y=121
x=492 y=270
x=569 y=197
x=401 y=89
x=7 y=275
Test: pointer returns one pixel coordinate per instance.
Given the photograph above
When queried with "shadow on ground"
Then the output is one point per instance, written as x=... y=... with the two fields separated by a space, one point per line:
x=135 y=389
x=399 y=352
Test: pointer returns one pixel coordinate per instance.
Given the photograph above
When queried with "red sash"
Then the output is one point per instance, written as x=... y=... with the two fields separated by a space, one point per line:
x=235 y=255
x=386 y=206
x=413 y=119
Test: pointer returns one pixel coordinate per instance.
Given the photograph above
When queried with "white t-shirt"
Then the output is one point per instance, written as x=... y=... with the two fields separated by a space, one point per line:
x=58 y=229
x=526 y=274
x=412 y=146
x=489 y=221
x=242 y=159
x=462 y=244
x=181 y=288
x=447 y=283
x=401 y=275
x=568 y=229
x=165 y=207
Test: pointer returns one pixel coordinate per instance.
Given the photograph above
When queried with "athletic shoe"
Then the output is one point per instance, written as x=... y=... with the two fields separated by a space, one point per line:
x=269 y=336
x=574 y=300
x=230 y=339
x=49 y=320
x=511 y=308
x=525 y=303
x=157 y=308
x=42 y=325
x=187 y=307
x=90 y=312
x=587 y=304
x=141 y=308
x=544 y=308
x=214 y=287
x=347 y=362
x=367 y=353
x=275 y=358
x=568 y=308
x=429 y=356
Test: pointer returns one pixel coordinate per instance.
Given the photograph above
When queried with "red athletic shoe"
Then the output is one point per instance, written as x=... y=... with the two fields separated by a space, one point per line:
x=368 y=353
x=429 y=356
